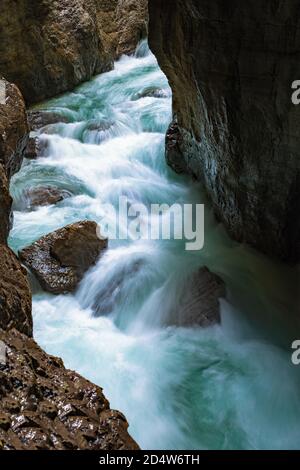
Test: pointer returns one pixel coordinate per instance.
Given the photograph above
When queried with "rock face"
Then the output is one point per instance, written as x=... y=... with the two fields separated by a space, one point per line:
x=49 y=47
x=15 y=295
x=5 y=206
x=231 y=69
x=60 y=259
x=45 y=406
x=13 y=129
x=199 y=300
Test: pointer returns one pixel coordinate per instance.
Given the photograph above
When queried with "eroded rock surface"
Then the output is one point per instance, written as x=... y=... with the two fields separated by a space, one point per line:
x=45 y=406
x=236 y=129
x=13 y=129
x=51 y=46
x=15 y=295
x=60 y=259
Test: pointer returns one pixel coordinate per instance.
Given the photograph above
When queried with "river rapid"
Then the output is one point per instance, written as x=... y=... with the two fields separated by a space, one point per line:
x=230 y=386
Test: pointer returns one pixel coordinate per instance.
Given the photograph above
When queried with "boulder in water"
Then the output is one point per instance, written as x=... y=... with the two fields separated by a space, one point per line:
x=150 y=92
x=60 y=259
x=36 y=148
x=45 y=196
x=39 y=119
x=199 y=300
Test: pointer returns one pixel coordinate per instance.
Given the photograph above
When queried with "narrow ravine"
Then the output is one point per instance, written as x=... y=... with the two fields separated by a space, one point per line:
x=226 y=387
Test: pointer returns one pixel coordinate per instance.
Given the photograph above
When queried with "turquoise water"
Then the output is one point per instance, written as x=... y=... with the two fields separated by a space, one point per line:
x=231 y=386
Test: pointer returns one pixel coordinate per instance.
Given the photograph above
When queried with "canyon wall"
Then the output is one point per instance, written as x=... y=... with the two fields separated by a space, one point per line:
x=231 y=65
x=49 y=46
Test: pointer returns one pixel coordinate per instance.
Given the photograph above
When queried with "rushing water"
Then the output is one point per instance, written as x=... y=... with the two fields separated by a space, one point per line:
x=226 y=387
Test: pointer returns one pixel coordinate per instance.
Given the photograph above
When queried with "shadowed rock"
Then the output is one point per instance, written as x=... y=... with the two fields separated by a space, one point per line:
x=45 y=406
x=44 y=196
x=231 y=70
x=199 y=300
x=60 y=259
x=39 y=119
x=36 y=148
x=15 y=295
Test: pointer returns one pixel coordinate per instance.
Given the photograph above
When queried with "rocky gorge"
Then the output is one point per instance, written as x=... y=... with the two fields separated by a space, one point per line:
x=66 y=43
x=146 y=321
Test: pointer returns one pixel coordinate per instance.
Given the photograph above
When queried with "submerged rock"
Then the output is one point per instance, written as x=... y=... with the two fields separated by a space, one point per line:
x=45 y=406
x=44 y=196
x=60 y=259
x=15 y=295
x=199 y=300
x=150 y=92
x=39 y=119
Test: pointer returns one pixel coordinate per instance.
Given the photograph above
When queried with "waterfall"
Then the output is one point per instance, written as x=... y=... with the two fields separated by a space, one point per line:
x=230 y=386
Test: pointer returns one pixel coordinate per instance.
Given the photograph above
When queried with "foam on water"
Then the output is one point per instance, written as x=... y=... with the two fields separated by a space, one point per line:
x=229 y=386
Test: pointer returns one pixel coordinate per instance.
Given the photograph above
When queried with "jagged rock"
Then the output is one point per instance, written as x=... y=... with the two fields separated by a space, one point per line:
x=44 y=196
x=199 y=300
x=15 y=295
x=132 y=24
x=60 y=259
x=231 y=71
x=45 y=406
x=38 y=119
x=36 y=148
x=13 y=129
x=5 y=206
x=49 y=47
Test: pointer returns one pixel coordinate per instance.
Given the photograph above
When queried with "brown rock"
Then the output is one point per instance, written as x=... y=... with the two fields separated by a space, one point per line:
x=60 y=259
x=13 y=129
x=51 y=46
x=15 y=295
x=70 y=412
x=199 y=300
x=231 y=71
x=5 y=207
x=36 y=148
x=132 y=24
x=39 y=119
x=44 y=196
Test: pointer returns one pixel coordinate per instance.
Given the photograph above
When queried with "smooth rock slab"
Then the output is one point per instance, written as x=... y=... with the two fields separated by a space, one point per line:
x=60 y=259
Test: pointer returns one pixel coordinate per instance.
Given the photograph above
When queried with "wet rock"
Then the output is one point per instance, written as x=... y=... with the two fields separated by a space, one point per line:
x=150 y=92
x=199 y=300
x=39 y=119
x=231 y=71
x=36 y=148
x=5 y=206
x=44 y=196
x=15 y=295
x=60 y=259
x=13 y=129
x=62 y=421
